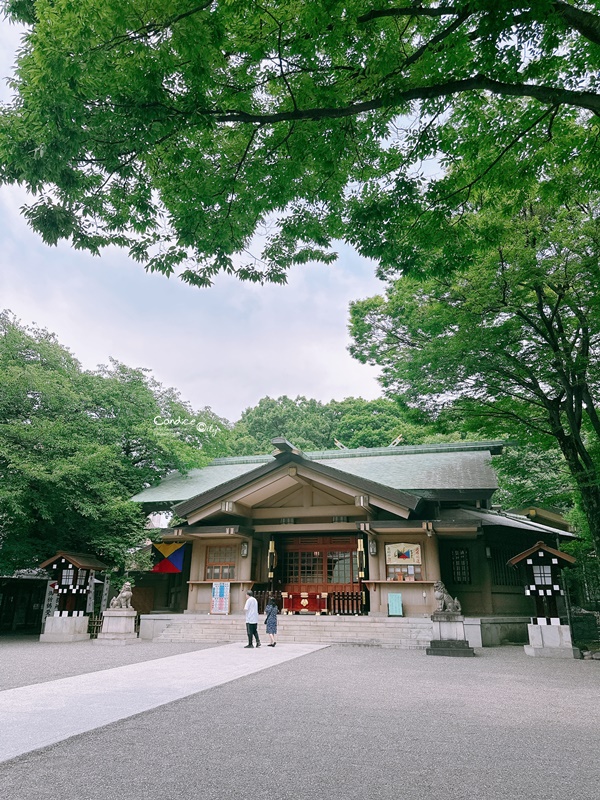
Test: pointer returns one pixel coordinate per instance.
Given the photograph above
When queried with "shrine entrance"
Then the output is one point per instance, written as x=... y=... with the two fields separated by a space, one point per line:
x=318 y=574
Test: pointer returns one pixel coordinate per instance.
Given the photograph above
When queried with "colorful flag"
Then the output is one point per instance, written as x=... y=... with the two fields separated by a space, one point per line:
x=168 y=557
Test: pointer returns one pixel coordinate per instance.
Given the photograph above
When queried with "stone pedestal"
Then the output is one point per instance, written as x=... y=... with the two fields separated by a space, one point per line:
x=65 y=629
x=449 y=635
x=118 y=627
x=551 y=641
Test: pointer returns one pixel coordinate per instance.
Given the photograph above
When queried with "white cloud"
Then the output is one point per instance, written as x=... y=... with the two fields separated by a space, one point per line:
x=226 y=347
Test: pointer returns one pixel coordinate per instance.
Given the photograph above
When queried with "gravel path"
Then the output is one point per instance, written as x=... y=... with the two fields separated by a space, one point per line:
x=346 y=723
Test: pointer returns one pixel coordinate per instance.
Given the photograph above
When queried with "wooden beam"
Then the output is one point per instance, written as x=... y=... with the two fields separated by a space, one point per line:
x=304 y=527
x=237 y=509
x=301 y=511
x=293 y=473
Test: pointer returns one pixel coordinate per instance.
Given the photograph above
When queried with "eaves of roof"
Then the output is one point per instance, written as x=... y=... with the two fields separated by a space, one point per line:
x=80 y=560
x=398 y=497
x=503 y=519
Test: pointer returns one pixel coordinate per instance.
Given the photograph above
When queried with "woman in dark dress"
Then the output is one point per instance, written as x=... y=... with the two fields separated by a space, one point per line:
x=271 y=612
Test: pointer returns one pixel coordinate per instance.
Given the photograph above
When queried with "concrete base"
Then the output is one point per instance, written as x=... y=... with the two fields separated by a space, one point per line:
x=456 y=649
x=65 y=629
x=550 y=641
x=118 y=627
x=152 y=625
x=448 y=626
x=113 y=641
x=449 y=638
x=496 y=631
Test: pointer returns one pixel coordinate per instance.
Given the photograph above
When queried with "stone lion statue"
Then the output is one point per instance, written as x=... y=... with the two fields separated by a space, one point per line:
x=123 y=599
x=444 y=599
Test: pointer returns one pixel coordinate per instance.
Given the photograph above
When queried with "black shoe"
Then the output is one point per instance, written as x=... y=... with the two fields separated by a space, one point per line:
x=258 y=644
x=251 y=646
x=270 y=645
x=274 y=643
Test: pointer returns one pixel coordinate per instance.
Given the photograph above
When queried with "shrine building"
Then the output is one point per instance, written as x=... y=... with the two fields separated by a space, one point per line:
x=355 y=532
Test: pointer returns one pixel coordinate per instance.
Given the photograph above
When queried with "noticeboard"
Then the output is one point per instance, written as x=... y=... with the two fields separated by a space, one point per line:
x=395 y=604
x=220 y=598
x=403 y=553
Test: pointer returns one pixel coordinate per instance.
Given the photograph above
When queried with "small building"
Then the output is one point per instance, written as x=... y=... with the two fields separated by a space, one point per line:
x=543 y=582
x=73 y=575
x=346 y=531
x=22 y=597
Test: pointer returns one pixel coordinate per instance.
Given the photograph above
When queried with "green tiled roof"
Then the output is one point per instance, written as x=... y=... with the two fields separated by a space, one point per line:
x=419 y=469
x=422 y=472
x=176 y=487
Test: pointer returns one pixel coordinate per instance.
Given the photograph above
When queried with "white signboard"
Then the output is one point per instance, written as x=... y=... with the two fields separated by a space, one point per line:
x=403 y=553
x=219 y=602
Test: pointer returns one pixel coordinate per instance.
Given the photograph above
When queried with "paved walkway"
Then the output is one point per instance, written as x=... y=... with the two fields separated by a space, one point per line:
x=46 y=713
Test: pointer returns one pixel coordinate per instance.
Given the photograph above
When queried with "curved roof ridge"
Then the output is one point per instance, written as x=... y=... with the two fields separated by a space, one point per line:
x=493 y=445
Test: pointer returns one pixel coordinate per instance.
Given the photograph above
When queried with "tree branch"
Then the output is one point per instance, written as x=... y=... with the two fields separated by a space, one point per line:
x=411 y=11
x=584 y=22
x=550 y=95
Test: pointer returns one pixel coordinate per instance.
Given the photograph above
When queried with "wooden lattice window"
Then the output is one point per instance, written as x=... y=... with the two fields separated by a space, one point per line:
x=311 y=567
x=220 y=563
x=461 y=566
x=67 y=577
x=342 y=566
x=542 y=575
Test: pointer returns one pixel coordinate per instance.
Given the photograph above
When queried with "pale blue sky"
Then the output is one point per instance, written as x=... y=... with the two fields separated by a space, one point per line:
x=225 y=347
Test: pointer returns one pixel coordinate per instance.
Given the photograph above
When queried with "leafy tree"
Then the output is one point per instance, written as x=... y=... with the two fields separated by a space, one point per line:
x=512 y=335
x=305 y=422
x=533 y=474
x=379 y=423
x=180 y=130
x=75 y=445
x=312 y=425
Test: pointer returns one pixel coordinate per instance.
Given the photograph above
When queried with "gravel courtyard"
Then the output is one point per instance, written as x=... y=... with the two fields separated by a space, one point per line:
x=341 y=723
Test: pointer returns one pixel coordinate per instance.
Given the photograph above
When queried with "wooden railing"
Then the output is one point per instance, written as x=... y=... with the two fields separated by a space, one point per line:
x=344 y=603
x=95 y=625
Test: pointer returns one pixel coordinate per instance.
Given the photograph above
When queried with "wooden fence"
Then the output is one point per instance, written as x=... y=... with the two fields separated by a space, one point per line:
x=344 y=603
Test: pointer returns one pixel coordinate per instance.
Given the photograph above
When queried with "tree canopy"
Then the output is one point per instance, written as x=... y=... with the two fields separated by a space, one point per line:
x=246 y=138
x=75 y=445
x=312 y=425
x=511 y=334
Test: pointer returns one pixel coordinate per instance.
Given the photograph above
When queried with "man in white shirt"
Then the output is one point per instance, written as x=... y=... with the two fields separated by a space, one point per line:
x=251 y=609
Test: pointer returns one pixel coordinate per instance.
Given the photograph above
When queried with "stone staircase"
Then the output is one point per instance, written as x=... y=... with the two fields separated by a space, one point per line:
x=401 y=632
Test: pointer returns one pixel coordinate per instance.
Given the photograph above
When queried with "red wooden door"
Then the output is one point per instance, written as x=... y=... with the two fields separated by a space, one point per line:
x=318 y=564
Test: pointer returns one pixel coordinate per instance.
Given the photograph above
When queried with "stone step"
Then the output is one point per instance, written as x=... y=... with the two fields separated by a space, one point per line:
x=411 y=633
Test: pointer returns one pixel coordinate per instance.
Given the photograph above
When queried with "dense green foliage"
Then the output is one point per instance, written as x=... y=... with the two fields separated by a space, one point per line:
x=312 y=425
x=76 y=445
x=510 y=334
x=180 y=130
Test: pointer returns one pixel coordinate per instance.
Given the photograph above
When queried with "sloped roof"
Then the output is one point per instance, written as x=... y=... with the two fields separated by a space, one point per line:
x=502 y=519
x=420 y=470
x=544 y=547
x=420 y=473
x=80 y=560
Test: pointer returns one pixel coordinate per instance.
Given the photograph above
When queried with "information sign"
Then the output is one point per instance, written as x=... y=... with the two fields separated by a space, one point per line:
x=219 y=603
x=395 y=604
